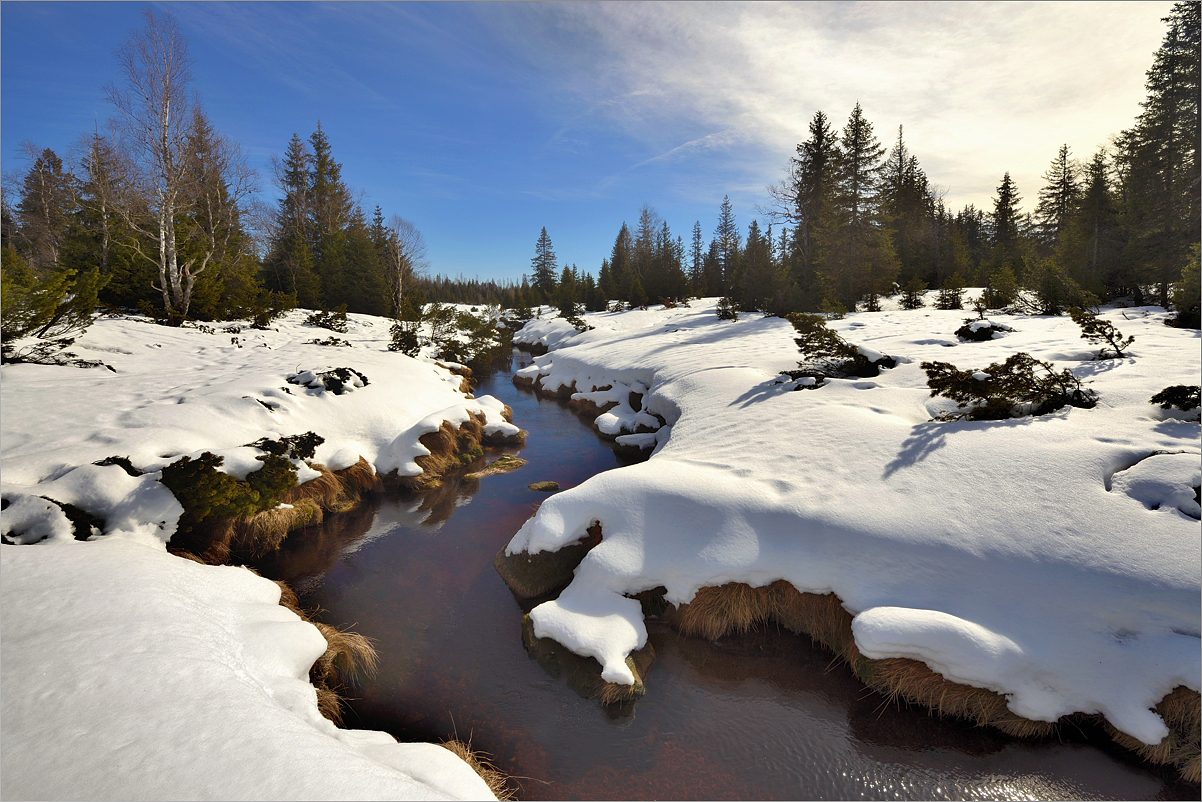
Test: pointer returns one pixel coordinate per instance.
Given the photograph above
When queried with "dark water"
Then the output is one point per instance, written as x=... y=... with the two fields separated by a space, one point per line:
x=763 y=716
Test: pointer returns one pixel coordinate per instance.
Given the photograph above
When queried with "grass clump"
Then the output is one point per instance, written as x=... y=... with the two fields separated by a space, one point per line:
x=1022 y=385
x=1100 y=332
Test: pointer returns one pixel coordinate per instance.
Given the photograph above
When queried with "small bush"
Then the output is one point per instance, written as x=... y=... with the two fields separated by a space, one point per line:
x=979 y=330
x=1182 y=396
x=1010 y=389
x=912 y=294
x=269 y=306
x=50 y=352
x=336 y=380
x=122 y=462
x=823 y=348
x=1001 y=289
x=727 y=308
x=296 y=446
x=336 y=342
x=1187 y=295
x=334 y=321
x=1099 y=331
x=404 y=338
x=273 y=480
x=207 y=494
x=951 y=294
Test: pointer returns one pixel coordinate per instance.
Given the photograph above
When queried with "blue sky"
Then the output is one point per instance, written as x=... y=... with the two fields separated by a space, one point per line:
x=482 y=123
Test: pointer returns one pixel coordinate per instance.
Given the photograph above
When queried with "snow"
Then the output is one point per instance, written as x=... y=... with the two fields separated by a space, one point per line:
x=179 y=392
x=1051 y=559
x=131 y=673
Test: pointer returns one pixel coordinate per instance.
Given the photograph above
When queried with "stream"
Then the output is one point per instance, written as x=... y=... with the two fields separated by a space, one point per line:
x=761 y=716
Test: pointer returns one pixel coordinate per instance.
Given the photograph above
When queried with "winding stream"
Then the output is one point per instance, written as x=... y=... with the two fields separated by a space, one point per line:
x=760 y=716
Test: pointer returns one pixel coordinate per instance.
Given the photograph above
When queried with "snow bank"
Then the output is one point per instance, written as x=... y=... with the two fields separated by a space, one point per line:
x=1001 y=554
x=181 y=391
x=133 y=674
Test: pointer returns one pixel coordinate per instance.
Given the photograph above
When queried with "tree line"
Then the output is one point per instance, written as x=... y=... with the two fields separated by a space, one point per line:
x=855 y=220
x=160 y=212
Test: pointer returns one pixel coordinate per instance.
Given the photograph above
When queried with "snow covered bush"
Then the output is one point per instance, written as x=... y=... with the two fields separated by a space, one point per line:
x=336 y=380
x=1099 y=331
x=979 y=330
x=1181 y=396
x=296 y=446
x=336 y=342
x=825 y=350
x=1022 y=385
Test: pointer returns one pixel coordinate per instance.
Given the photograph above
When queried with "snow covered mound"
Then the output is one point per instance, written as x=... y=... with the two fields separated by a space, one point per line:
x=133 y=674
x=999 y=553
x=179 y=392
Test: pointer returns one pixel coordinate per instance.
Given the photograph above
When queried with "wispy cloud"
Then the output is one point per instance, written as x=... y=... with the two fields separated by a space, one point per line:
x=980 y=87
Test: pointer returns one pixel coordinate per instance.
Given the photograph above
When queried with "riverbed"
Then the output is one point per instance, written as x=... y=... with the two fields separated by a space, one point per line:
x=760 y=716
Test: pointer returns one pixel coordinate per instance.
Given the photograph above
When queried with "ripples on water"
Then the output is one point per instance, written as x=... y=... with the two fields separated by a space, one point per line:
x=760 y=716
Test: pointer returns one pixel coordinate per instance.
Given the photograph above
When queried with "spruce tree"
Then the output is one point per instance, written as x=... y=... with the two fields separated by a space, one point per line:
x=1058 y=198
x=543 y=267
x=726 y=235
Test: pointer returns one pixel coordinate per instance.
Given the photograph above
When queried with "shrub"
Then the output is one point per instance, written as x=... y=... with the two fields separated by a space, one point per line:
x=50 y=352
x=912 y=294
x=1187 y=295
x=1099 y=331
x=825 y=350
x=295 y=446
x=269 y=306
x=951 y=294
x=1010 y=389
x=404 y=338
x=1001 y=289
x=1182 y=396
x=205 y=492
x=980 y=329
x=334 y=321
x=1053 y=290
x=336 y=342
x=272 y=481
x=872 y=302
x=336 y=380
x=727 y=308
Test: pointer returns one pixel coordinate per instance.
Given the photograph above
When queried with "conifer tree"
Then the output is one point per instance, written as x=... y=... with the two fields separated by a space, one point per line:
x=1058 y=198
x=861 y=261
x=543 y=267
x=696 y=261
x=726 y=235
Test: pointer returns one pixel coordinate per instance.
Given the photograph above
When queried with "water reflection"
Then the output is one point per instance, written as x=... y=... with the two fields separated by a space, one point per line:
x=760 y=716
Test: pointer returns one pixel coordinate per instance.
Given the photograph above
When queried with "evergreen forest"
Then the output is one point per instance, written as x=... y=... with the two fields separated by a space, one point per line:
x=160 y=213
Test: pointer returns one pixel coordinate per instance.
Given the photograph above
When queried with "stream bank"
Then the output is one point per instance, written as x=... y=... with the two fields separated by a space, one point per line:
x=761 y=714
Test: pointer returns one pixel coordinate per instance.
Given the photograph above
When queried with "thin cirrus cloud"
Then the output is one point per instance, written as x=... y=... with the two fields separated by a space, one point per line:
x=981 y=88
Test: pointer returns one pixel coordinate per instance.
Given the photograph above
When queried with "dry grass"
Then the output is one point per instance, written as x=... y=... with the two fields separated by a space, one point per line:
x=736 y=607
x=1181 y=710
x=255 y=536
x=360 y=479
x=497 y=780
x=329 y=704
x=348 y=657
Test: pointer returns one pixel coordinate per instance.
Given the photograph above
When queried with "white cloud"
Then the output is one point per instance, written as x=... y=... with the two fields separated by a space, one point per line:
x=981 y=88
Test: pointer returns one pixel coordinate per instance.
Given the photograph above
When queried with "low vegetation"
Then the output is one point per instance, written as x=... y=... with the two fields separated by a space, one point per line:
x=1022 y=385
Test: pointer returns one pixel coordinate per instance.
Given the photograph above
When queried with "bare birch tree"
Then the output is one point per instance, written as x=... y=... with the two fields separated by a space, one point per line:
x=152 y=126
x=405 y=258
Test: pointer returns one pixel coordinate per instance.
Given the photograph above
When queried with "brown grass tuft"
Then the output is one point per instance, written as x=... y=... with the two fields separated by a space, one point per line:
x=359 y=480
x=497 y=780
x=348 y=656
x=1181 y=710
x=289 y=599
x=329 y=704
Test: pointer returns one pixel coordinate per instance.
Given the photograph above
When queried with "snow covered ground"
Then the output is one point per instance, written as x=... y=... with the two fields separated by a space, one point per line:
x=1054 y=559
x=128 y=672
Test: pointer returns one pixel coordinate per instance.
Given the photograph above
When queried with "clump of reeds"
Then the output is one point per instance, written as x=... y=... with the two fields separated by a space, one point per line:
x=496 y=780
x=348 y=657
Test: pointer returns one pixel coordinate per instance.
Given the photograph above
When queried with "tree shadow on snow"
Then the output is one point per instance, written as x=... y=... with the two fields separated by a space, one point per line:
x=927 y=438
